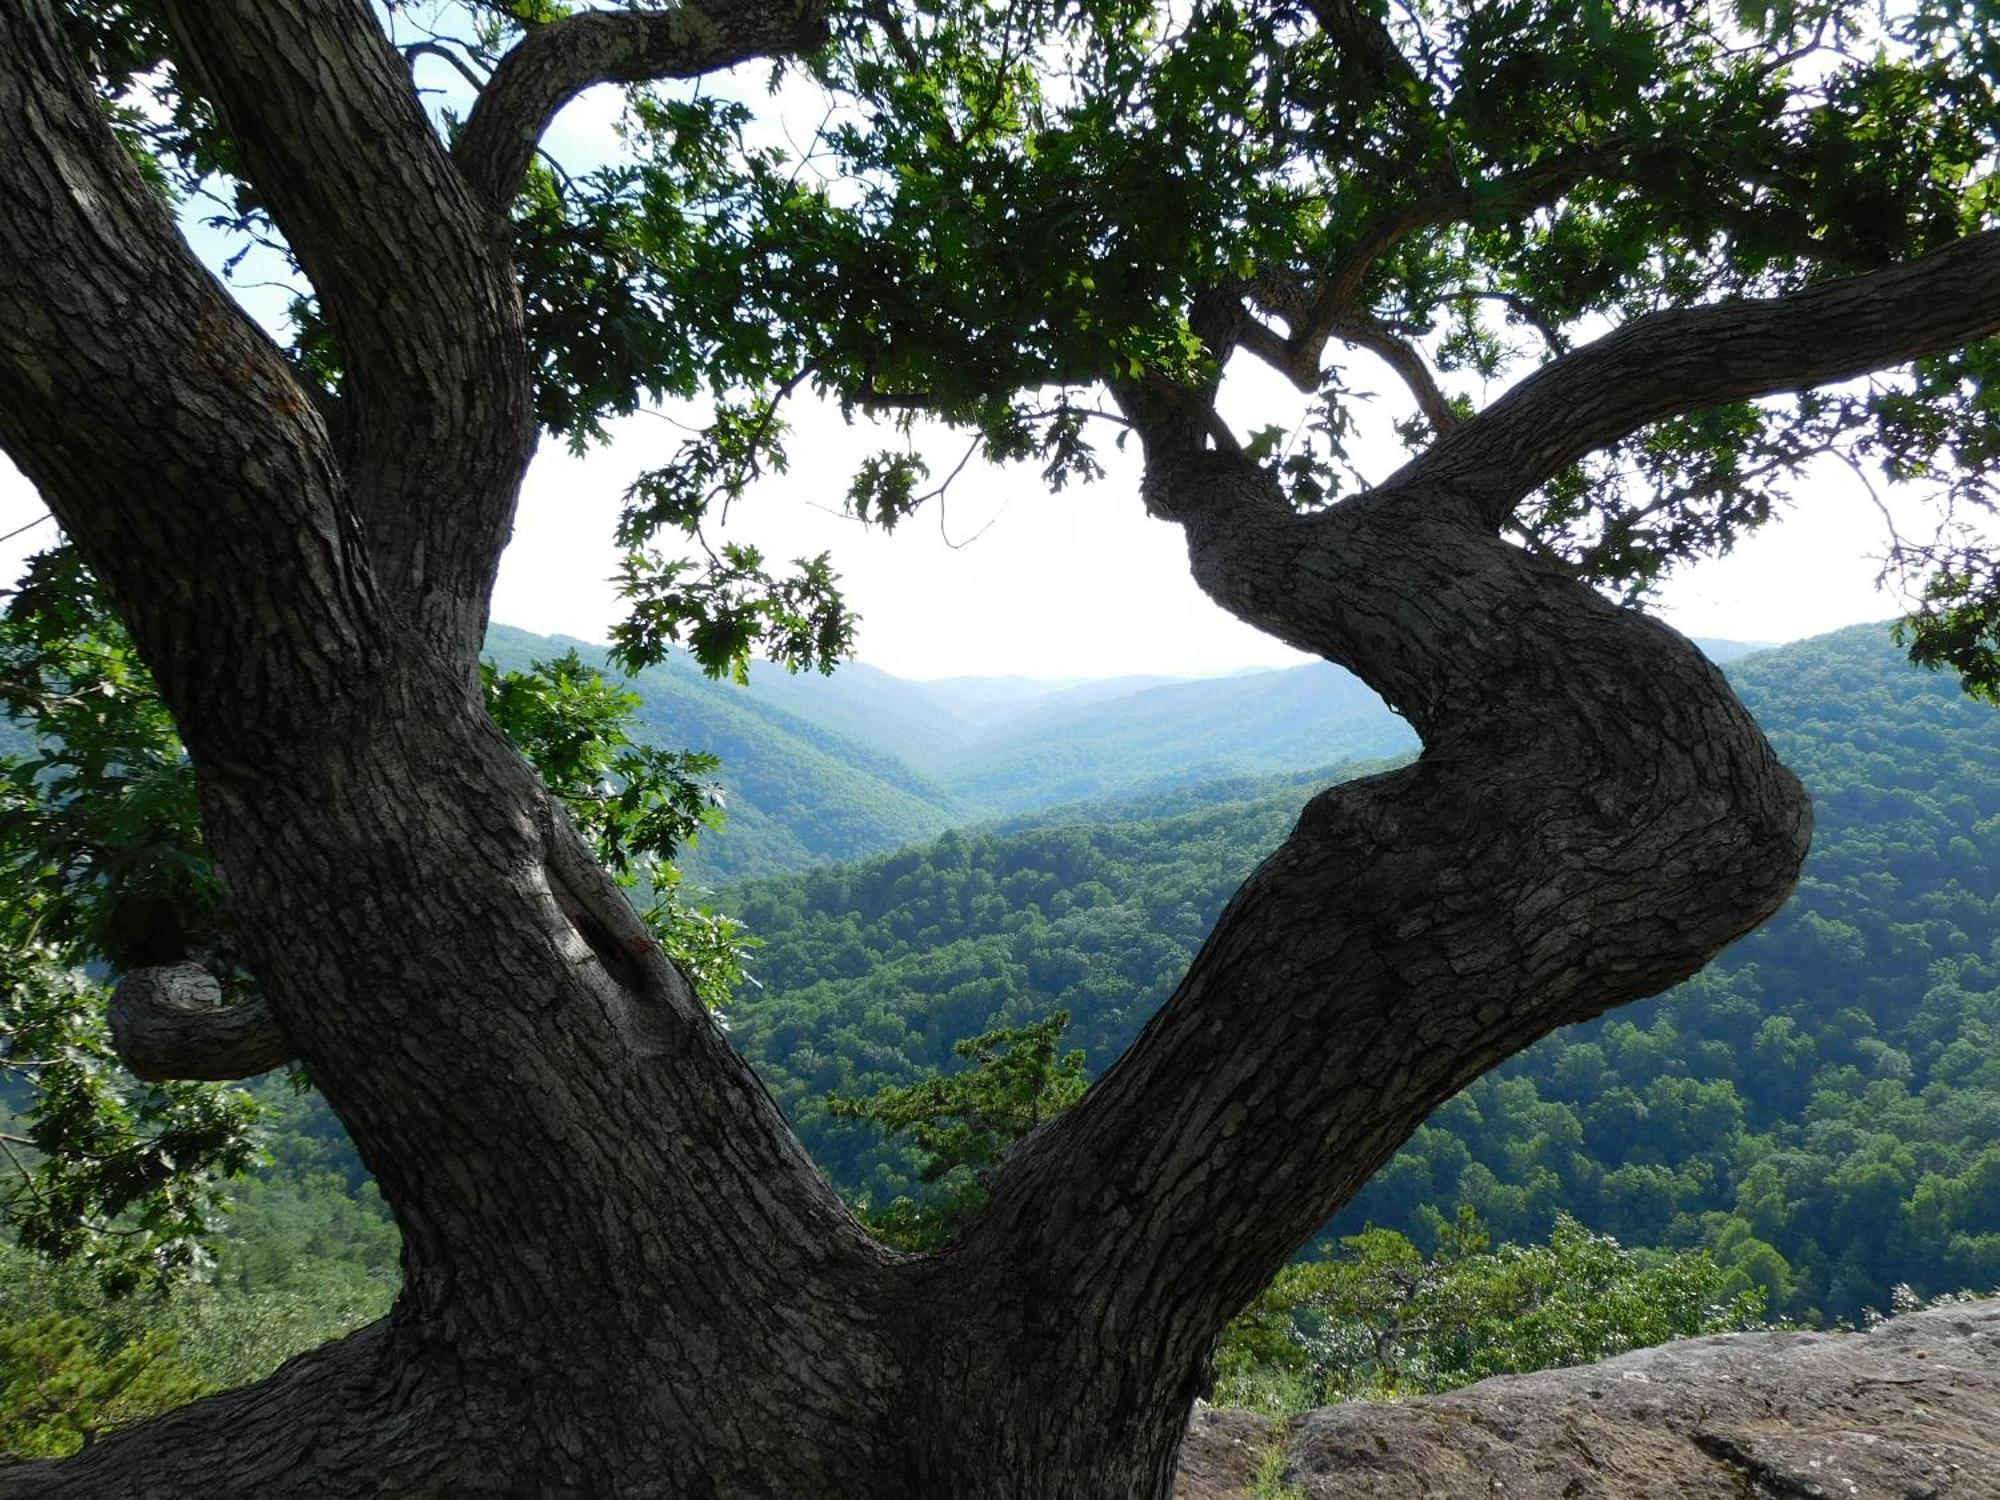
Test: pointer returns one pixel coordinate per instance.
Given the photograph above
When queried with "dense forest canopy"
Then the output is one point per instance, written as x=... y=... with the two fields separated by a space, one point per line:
x=1699 y=247
x=1818 y=1106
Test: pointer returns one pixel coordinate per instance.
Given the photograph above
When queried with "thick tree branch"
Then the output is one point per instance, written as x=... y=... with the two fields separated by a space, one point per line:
x=554 y=63
x=168 y=1021
x=1275 y=350
x=167 y=434
x=415 y=276
x=1361 y=36
x=1677 y=361
x=1593 y=818
x=329 y=128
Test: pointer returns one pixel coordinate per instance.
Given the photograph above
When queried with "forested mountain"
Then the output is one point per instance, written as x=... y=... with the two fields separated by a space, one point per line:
x=818 y=768
x=797 y=791
x=1820 y=1109
x=1179 y=733
x=1821 y=1106
x=1096 y=742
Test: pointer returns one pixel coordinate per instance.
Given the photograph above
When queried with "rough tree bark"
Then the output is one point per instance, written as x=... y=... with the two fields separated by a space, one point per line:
x=622 y=1275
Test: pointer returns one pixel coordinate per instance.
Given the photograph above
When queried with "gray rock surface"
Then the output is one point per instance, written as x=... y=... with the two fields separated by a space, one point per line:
x=1907 y=1411
x=1223 y=1448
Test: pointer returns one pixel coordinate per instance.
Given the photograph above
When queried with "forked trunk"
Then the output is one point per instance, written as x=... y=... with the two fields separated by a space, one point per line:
x=622 y=1277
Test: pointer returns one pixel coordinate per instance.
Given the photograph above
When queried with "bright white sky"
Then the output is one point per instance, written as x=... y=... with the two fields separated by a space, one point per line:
x=1005 y=578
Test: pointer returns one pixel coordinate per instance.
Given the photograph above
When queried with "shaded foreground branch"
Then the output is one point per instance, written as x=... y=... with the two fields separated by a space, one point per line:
x=1593 y=817
x=557 y=61
x=169 y=1021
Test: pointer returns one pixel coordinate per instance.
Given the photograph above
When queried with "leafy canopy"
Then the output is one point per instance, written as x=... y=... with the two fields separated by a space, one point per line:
x=1022 y=217
x=1031 y=220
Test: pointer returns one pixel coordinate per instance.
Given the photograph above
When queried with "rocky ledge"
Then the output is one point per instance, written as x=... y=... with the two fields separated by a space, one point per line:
x=1909 y=1410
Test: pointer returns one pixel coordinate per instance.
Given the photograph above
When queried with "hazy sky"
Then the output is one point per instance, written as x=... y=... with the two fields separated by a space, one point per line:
x=1008 y=578
x=1005 y=578
x=1076 y=584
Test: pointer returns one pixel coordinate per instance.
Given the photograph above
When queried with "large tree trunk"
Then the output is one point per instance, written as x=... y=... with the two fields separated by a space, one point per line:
x=622 y=1275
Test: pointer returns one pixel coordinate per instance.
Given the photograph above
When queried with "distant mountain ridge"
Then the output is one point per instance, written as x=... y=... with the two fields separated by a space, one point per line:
x=818 y=768
x=797 y=791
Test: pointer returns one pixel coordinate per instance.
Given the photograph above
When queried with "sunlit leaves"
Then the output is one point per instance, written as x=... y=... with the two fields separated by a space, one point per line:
x=1383 y=1319
x=99 y=841
x=963 y=1124
x=884 y=489
x=635 y=279
x=730 y=605
x=635 y=803
x=58 y=1393
x=1957 y=624
x=126 y=1175
x=101 y=862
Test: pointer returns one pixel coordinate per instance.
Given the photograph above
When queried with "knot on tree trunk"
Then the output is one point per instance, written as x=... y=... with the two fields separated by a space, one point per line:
x=169 y=1021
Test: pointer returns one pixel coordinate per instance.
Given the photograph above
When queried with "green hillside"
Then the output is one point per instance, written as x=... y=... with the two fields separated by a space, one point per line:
x=1821 y=1106
x=1178 y=733
x=932 y=725
x=820 y=768
x=797 y=792
x=1820 y=1109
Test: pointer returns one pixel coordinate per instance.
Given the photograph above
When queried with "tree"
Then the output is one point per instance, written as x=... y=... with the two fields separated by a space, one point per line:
x=964 y=1124
x=1382 y=1319
x=621 y=1273
x=60 y=1394
x=102 y=866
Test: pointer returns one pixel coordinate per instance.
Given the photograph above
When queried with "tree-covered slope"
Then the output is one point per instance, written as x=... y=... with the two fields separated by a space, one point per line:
x=1011 y=744
x=797 y=792
x=1821 y=1105
x=820 y=768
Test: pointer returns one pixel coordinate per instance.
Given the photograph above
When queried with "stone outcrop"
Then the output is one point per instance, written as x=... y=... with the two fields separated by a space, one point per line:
x=1223 y=1448
x=1907 y=1411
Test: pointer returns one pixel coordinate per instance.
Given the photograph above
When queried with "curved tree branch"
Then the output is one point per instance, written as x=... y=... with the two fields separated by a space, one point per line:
x=1370 y=333
x=413 y=50
x=552 y=64
x=1593 y=818
x=168 y=1021
x=1669 y=362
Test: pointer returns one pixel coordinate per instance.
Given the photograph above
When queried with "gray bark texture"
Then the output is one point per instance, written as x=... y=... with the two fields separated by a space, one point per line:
x=622 y=1274
x=169 y=1021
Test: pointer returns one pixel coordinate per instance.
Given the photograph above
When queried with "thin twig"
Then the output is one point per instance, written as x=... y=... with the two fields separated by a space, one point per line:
x=18 y=530
x=413 y=50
